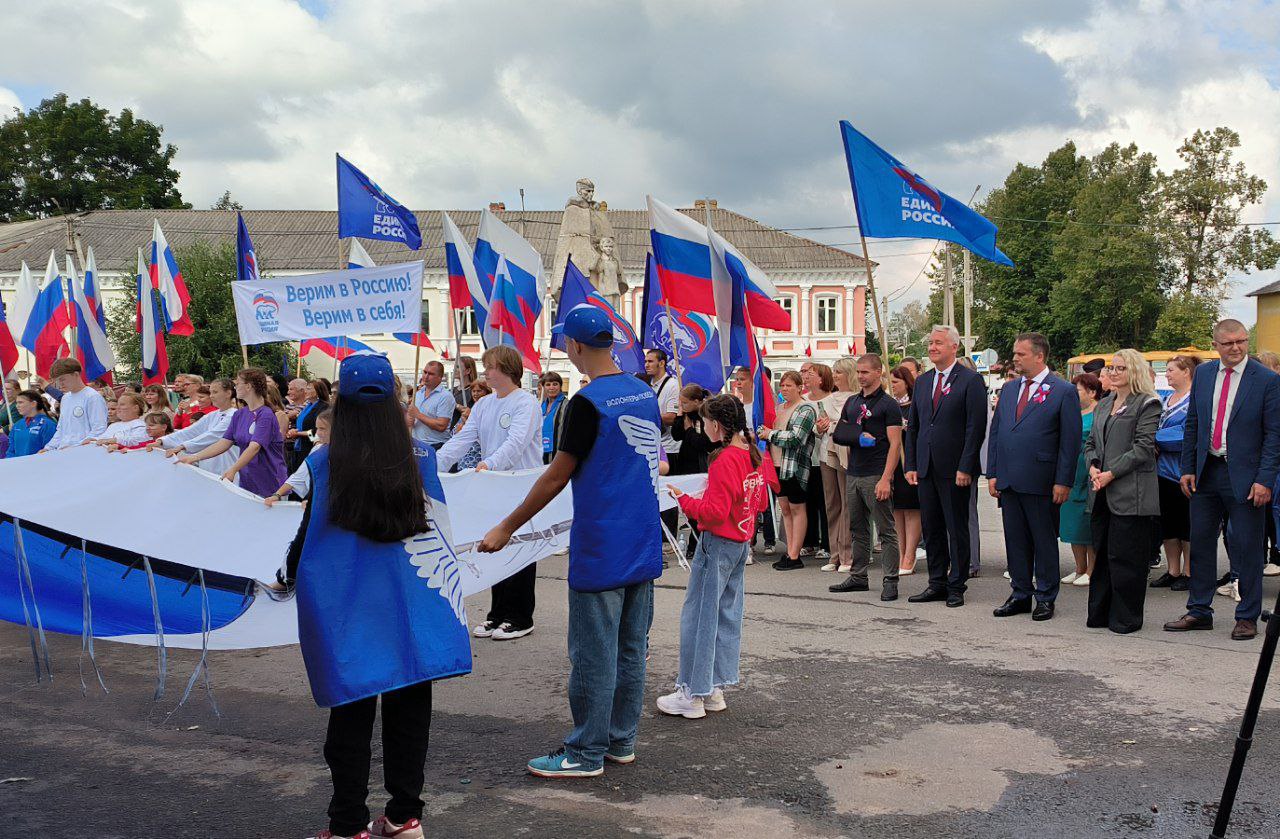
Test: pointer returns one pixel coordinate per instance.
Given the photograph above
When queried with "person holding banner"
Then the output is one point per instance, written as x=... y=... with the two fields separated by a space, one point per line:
x=33 y=428
x=82 y=412
x=256 y=431
x=609 y=451
x=506 y=426
x=369 y=515
x=206 y=431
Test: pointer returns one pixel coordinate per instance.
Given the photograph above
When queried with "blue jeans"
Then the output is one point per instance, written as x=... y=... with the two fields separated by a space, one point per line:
x=608 y=640
x=711 y=620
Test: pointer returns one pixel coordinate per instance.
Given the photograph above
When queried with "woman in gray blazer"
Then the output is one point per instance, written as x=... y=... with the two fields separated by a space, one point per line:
x=1124 y=497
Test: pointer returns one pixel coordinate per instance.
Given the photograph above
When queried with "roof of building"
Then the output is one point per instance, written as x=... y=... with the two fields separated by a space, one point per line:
x=1269 y=288
x=306 y=239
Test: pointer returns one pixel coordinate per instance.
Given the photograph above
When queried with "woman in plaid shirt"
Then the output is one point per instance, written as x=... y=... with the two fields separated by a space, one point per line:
x=792 y=450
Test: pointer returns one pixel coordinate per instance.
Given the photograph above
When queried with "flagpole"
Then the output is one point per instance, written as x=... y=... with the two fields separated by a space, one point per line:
x=299 y=376
x=343 y=259
x=675 y=345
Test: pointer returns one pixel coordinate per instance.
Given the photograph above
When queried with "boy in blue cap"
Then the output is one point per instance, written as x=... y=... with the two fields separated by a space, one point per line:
x=609 y=451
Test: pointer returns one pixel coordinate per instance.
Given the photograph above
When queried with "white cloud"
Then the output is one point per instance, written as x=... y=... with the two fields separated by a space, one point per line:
x=455 y=104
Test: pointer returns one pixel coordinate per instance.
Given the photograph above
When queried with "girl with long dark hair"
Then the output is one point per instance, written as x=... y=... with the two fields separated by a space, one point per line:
x=711 y=620
x=376 y=616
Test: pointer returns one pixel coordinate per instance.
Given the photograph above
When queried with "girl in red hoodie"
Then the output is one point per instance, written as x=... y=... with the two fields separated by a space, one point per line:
x=711 y=620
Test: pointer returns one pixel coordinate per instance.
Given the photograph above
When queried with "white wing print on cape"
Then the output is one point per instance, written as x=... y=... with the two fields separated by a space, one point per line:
x=439 y=565
x=645 y=437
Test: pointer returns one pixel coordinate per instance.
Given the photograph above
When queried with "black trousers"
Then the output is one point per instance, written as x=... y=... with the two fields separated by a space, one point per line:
x=944 y=519
x=406 y=729
x=815 y=503
x=1118 y=586
x=512 y=600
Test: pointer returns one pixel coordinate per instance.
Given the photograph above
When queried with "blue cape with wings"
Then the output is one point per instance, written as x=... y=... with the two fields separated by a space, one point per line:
x=376 y=616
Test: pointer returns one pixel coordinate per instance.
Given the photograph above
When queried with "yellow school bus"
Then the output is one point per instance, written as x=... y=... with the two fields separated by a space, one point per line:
x=1158 y=359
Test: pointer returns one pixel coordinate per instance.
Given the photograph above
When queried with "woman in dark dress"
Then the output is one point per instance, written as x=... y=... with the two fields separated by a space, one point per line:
x=906 y=498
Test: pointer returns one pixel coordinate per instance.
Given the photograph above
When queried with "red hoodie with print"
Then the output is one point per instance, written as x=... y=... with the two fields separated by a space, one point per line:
x=736 y=492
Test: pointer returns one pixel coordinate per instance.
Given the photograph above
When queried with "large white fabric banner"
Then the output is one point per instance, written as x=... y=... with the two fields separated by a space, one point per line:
x=142 y=502
x=357 y=301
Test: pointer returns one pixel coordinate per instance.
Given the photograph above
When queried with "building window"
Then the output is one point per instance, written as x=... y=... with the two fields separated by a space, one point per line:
x=828 y=307
x=426 y=319
x=788 y=304
x=469 y=326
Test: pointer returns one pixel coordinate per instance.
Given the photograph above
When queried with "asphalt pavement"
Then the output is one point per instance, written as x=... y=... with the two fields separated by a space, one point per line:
x=855 y=718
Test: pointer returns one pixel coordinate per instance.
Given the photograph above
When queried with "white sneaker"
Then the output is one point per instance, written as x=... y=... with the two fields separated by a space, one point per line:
x=750 y=560
x=1235 y=590
x=1224 y=591
x=681 y=704
x=920 y=554
x=1082 y=580
x=484 y=630
x=506 y=633
x=1007 y=577
x=1071 y=578
x=830 y=566
x=845 y=569
x=714 y=702
x=1270 y=570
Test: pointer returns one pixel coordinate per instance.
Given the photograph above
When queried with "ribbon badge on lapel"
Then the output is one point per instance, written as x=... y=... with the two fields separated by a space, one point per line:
x=1041 y=393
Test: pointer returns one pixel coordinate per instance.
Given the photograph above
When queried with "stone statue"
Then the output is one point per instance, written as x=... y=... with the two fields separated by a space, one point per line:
x=606 y=274
x=583 y=226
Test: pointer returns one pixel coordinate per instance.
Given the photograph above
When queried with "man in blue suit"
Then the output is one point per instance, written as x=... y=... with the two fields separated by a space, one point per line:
x=1233 y=418
x=943 y=442
x=1031 y=462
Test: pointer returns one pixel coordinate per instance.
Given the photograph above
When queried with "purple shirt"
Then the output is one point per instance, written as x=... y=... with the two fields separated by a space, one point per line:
x=265 y=473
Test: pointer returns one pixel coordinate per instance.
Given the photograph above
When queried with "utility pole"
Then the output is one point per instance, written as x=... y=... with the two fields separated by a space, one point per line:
x=968 y=305
x=69 y=291
x=948 y=292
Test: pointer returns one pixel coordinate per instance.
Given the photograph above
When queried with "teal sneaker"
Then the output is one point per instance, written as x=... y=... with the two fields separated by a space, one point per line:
x=558 y=765
x=617 y=755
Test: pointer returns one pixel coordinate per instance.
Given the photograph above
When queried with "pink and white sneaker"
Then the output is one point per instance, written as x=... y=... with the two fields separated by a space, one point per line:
x=329 y=834
x=384 y=827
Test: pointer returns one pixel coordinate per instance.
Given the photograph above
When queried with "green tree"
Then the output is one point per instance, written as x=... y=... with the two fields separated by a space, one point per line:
x=208 y=269
x=908 y=327
x=1029 y=206
x=64 y=157
x=1110 y=274
x=1187 y=320
x=1201 y=207
x=226 y=202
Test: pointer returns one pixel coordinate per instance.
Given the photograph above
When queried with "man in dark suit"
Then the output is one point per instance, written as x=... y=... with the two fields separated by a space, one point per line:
x=943 y=441
x=1031 y=464
x=1230 y=456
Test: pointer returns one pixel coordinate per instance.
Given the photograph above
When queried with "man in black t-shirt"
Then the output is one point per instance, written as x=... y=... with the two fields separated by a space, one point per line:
x=871 y=426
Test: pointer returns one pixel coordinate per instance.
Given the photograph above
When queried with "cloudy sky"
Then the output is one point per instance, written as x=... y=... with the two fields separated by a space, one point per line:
x=454 y=104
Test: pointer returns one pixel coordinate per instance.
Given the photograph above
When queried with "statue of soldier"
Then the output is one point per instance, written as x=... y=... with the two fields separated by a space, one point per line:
x=583 y=226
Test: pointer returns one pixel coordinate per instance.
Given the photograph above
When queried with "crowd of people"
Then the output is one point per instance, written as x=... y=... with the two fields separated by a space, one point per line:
x=861 y=461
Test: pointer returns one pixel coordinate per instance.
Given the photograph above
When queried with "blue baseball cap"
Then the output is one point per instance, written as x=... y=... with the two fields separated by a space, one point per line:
x=588 y=325
x=366 y=377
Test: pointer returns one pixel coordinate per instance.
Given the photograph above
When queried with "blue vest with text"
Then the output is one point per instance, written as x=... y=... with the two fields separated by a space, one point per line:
x=376 y=616
x=616 y=539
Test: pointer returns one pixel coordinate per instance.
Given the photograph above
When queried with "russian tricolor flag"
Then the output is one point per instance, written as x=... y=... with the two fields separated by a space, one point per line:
x=92 y=348
x=415 y=339
x=464 y=283
x=8 y=348
x=683 y=253
x=335 y=346
x=737 y=338
x=155 y=357
x=521 y=301
x=48 y=320
x=166 y=278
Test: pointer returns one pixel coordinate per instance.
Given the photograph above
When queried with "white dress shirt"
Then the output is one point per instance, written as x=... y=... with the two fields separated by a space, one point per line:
x=1237 y=372
x=940 y=379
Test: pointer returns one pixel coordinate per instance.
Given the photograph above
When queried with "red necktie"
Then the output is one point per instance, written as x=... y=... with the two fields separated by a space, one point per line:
x=937 y=390
x=1022 y=400
x=1220 y=420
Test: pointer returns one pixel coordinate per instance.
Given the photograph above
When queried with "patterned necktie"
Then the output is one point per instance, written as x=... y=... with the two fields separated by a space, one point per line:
x=937 y=390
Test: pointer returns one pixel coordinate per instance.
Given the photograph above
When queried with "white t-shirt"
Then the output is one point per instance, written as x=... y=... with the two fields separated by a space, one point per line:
x=81 y=416
x=202 y=434
x=668 y=393
x=508 y=428
x=127 y=432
